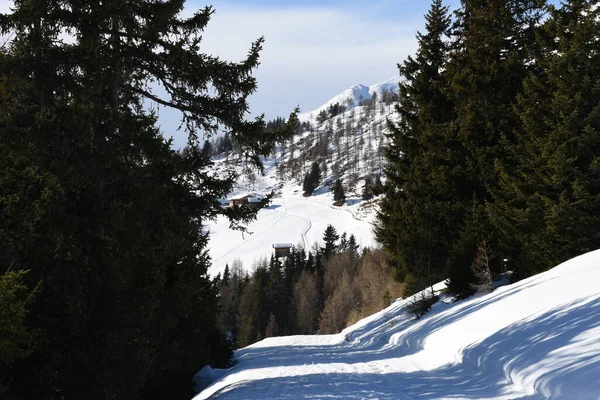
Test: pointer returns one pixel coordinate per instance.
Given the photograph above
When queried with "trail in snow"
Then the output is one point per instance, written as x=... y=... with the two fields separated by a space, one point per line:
x=536 y=339
x=305 y=231
x=290 y=218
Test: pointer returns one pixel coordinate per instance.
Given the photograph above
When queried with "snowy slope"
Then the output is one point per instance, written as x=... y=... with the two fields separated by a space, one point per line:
x=352 y=97
x=536 y=339
x=291 y=218
x=391 y=85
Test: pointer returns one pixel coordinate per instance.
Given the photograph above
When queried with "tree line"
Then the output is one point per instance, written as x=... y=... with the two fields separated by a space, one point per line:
x=497 y=143
x=321 y=290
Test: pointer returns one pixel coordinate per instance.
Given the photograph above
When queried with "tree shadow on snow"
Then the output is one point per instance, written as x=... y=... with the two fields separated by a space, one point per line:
x=548 y=351
x=372 y=342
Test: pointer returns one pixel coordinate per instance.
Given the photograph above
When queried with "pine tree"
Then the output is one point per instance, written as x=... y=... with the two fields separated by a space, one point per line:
x=339 y=197
x=96 y=204
x=367 y=193
x=550 y=185
x=419 y=215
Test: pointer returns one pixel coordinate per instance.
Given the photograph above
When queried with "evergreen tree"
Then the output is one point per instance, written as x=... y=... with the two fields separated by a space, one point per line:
x=377 y=186
x=421 y=212
x=330 y=238
x=96 y=204
x=352 y=248
x=491 y=57
x=550 y=185
x=367 y=193
x=339 y=197
x=312 y=179
x=207 y=148
x=16 y=340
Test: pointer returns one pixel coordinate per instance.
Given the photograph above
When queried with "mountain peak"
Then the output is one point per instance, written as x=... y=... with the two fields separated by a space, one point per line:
x=353 y=96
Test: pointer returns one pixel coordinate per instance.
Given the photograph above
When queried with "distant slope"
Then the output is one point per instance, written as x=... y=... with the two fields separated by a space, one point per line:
x=536 y=339
x=347 y=146
x=353 y=96
x=291 y=218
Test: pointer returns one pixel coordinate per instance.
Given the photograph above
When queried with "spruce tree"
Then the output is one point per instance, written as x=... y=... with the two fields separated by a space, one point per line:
x=419 y=215
x=312 y=179
x=550 y=185
x=339 y=197
x=97 y=205
x=493 y=41
x=330 y=238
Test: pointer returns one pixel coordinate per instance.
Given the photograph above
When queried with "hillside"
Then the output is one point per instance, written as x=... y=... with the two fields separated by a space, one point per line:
x=534 y=339
x=345 y=137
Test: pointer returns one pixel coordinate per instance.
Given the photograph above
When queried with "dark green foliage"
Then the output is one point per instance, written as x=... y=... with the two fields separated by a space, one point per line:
x=312 y=179
x=96 y=204
x=493 y=43
x=339 y=197
x=422 y=304
x=330 y=238
x=322 y=116
x=457 y=126
x=550 y=185
x=377 y=187
x=15 y=339
x=335 y=109
x=207 y=148
x=421 y=211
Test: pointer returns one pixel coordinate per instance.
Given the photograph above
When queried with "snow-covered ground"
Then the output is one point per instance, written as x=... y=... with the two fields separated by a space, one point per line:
x=352 y=97
x=536 y=339
x=291 y=218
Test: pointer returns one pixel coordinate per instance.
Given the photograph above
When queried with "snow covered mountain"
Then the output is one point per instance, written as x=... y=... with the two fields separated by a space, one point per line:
x=354 y=96
x=348 y=145
x=536 y=339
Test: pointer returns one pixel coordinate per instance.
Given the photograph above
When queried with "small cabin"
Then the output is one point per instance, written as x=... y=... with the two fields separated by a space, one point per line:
x=248 y=200
x=282 y=249
x=255 y=202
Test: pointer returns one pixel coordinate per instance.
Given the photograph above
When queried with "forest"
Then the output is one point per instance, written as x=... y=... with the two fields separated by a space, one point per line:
x=320 y=290
x=496 y=150
x=492 y=165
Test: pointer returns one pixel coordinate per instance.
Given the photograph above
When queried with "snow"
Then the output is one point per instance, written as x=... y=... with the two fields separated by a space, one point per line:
x=282 y=245
x=535 y=339
x=290 y=218
x=391 y=85
x=352 y=97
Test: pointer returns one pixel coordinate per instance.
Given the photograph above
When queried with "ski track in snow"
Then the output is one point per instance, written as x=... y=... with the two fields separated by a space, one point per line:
x=308 y=224
x=290 y=218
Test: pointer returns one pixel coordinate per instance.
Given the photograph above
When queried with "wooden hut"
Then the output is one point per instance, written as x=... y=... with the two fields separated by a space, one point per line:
x=247 y=199
x=282 y=249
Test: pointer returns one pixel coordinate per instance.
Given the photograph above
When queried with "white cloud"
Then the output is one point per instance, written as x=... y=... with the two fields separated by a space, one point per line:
x=309 y=54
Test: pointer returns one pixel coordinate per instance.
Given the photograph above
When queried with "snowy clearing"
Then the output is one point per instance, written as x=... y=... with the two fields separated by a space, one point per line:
x=290 y=218
x=536 y=339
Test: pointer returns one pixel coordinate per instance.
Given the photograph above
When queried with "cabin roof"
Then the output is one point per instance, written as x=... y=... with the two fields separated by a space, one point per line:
x=244 y=196
x=282 y=245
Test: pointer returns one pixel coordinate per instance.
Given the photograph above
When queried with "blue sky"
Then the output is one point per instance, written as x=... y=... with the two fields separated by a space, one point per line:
x=313 y=49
